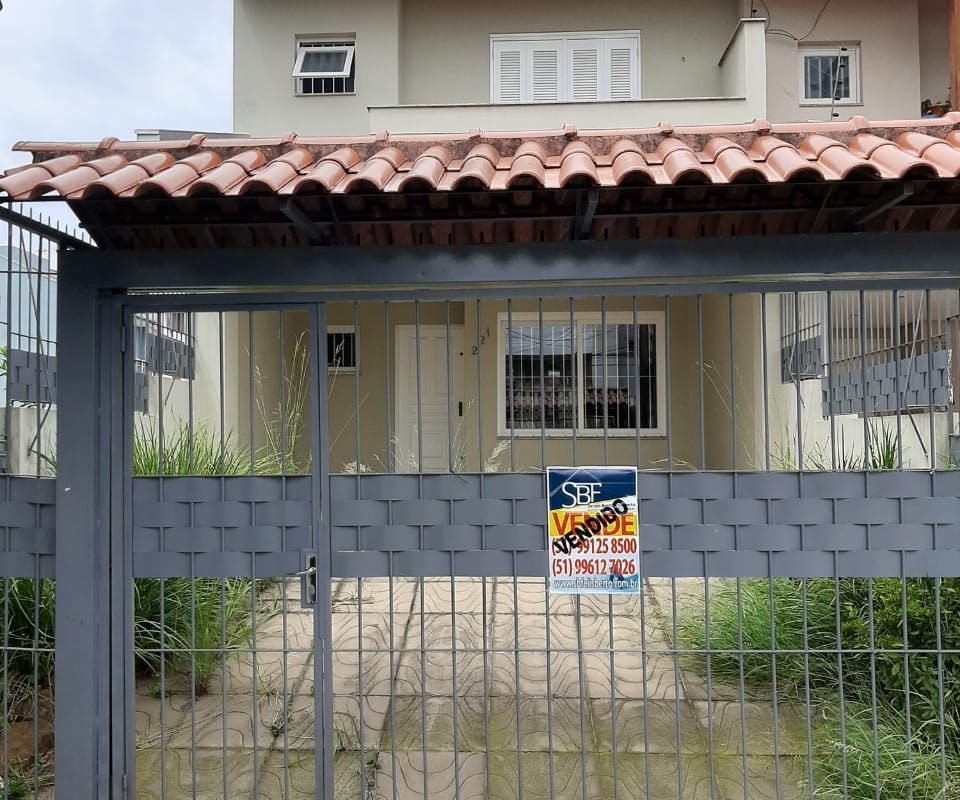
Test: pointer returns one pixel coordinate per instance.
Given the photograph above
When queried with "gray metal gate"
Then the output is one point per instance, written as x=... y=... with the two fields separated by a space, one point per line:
x=793 y=637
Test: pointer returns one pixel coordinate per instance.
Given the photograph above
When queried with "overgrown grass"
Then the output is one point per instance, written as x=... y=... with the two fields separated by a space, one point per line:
x=744 y=631
x=793 y=617
x=190 y=623
x=885 y=765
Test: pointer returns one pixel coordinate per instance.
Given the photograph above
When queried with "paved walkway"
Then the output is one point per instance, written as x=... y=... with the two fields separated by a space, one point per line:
x=585 y=723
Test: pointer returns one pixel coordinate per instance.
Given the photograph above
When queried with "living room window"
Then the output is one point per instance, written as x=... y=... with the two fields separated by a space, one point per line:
x=325 y=67
x=830 y=75
x=565 y=67
x=587 y=374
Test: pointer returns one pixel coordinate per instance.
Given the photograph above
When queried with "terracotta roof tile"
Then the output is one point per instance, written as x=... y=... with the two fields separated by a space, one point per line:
x=479 y=161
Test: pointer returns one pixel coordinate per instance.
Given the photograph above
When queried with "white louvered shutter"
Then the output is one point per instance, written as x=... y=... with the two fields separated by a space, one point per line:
x=545 y=62
x=621 y=59
x=508 y=60
x=584 y=70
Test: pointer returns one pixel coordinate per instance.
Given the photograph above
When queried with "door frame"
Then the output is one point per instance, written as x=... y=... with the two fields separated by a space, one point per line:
x=117 y=371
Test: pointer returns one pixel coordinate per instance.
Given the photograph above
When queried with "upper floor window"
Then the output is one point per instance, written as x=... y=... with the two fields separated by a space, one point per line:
x=325 y=67
x=565 y=67
x=829 y=74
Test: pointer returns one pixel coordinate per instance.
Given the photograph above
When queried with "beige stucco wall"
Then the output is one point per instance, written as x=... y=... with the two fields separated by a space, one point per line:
x=476 y=437
x=934 y=51
x=265 y=45
x=888 y=32
x=446 y=59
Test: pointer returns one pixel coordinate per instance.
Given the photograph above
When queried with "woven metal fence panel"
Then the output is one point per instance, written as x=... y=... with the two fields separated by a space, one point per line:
x=31 y=378
x=221 y=527
x=843 y=392
x=847 y=524
x=801 y=360
x=27 y=527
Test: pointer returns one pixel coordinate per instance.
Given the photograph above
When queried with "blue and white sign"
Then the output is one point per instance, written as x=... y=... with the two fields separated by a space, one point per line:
x=593 y=530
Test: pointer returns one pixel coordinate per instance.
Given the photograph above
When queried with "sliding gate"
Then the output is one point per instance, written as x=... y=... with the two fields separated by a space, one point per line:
x=334 y=545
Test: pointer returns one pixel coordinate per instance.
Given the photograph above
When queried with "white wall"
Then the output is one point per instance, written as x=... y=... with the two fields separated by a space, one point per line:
x=265 y=45
x=890 y=64
x=934 y=51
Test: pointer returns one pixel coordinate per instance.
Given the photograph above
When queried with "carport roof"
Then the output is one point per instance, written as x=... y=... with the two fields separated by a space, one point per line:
x=294 y=190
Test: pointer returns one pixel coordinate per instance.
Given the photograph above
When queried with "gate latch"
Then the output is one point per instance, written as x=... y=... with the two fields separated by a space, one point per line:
x=308 y=581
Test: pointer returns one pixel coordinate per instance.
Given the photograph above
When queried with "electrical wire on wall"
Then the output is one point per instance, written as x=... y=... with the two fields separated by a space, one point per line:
x=780 y=31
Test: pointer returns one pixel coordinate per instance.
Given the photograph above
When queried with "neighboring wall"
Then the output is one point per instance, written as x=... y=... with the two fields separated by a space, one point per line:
x=934 y=51
x=264 y=49
x=888 y=31
x=445 y=58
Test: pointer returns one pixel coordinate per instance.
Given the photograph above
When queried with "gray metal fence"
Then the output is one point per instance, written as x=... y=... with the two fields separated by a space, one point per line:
x=793 y=636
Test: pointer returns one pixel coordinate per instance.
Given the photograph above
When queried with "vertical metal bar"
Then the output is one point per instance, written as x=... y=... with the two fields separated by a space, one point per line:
x=830 y=404
x=282 y=433
x=323 y=666
x=543 y=385
x=669 y=390
x=423 y=632
x=8 y=466
x=896 y=363
x=190 y=377
x=449 y=363
x=357 y=461
x=795 y=370
x=605 y=389
x=578 y=407
x=933 y=428
x=387 y=378
x=251 y=402
x=867 y=449
x=700 y=401
x=511 y=389
x=81 y=544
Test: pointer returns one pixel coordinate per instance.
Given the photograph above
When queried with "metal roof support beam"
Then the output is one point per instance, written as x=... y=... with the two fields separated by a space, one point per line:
x=882 y=204
x=586 y=209
x=695 y=261
x=302 y=222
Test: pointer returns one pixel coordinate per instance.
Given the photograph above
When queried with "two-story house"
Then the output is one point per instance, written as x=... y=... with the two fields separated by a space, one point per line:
x=711 y=240
x=439 y=69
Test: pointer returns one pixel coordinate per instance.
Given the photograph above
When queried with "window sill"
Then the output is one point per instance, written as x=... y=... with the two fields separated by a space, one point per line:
x=828 y=104
x=324 y=94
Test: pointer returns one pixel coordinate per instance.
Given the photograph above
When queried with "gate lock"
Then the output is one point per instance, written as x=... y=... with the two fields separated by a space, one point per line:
x=308 y=581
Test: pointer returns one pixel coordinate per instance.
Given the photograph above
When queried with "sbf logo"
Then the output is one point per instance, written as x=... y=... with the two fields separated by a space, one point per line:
x=580 y=494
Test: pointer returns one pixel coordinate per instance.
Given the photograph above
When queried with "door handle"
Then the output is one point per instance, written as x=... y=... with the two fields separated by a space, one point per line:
x=308 y=581
x=460 y=408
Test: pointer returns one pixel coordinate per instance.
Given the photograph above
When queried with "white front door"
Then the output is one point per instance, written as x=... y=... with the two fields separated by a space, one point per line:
x=436 y=417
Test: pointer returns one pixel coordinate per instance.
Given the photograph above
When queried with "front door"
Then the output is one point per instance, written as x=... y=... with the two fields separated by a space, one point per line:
x=425 y=418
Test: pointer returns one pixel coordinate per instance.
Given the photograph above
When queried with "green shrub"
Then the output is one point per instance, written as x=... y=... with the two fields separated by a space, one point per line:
x=922 y=675
x=28 y=607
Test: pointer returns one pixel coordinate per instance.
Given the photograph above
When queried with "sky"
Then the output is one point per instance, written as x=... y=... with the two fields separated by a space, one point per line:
x=81 y=70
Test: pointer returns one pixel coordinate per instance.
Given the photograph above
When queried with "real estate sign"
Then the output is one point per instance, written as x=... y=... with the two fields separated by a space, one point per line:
x=593 y=530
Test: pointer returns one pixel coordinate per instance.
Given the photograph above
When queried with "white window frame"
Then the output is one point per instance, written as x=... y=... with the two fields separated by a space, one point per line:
x=305 y=47
x=560 y=40
x=335 y=370
x=581 y=319
x=852 y=51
